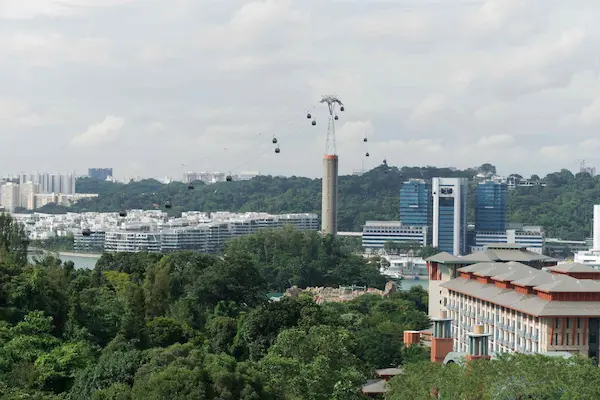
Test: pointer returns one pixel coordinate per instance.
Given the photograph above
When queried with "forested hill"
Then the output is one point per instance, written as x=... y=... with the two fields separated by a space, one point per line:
x=563 y=207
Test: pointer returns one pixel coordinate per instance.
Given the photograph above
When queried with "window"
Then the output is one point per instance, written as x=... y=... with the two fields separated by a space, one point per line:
x=555 y=339
x=567 y=339
x=557 y=323
x=568 y=322
x=578 y=324
x=578 y=335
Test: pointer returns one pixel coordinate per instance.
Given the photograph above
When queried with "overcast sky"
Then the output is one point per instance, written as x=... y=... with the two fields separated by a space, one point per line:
x=158 y=87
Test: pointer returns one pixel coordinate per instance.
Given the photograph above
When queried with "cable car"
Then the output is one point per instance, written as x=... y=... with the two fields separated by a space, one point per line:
x=277 y=150
x=122 y=213
x=228 y=178
x=274 y=140
x=190 y=186
x=342 y=108
x=314 y=122
x=365 y=139
x=168 y=204
x=308 y=116
x=367 y=154
x=86 y=232
x=336 y=117
x=384 y=161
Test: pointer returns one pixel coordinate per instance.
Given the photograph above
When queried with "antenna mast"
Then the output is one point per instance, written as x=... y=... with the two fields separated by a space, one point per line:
x=332 y=102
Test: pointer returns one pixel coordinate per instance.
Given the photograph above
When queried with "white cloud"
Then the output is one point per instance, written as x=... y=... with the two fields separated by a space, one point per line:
x=427 y=109
x=496 y=140
x=25 y=9
x=107 y=131
x=591 y=113
x=429 y=82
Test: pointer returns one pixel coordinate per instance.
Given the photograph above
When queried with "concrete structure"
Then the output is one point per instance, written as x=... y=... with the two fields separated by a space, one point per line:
x=330 y=169
x=376 y=233
x=450 y=214
x=532 y=237
x=525 y=309
x=443 y=267
x=329 y=194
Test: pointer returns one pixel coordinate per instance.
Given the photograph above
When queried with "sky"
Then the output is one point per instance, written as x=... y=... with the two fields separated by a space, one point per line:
x=157 y=88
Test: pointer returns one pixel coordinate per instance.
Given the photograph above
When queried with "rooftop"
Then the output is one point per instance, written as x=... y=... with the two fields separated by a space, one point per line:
x=503 y=252
x=573 y=267
x=525 y=276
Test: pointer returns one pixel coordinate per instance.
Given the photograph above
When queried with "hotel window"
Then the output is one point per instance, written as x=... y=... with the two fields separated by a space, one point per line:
x=578 y=324
x=557 y=323
x=555 y=339
x=567 y=339
x=578 y=335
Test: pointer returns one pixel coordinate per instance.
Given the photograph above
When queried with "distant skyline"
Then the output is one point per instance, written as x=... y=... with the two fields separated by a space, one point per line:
x=157 y=88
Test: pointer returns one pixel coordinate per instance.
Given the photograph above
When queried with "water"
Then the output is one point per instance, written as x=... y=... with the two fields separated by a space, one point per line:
x=406 y=284
x=87 y=261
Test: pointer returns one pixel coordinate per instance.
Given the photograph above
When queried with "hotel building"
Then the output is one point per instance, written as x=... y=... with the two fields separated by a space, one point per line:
x=443 y=267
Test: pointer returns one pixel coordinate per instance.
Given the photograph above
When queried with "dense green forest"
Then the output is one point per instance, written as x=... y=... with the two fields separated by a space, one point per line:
x=563 y=206
x=196 y=326
x=508 y=377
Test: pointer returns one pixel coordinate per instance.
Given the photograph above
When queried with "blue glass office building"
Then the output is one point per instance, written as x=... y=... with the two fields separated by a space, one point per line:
x=491 y=207
x=416 y=203
x=450 y=214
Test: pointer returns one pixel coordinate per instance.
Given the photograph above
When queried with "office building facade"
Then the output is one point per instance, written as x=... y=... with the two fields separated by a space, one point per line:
x=450 y=214
x=416 y=203
x=531 y=237
x=376 y=233
x=490 y=207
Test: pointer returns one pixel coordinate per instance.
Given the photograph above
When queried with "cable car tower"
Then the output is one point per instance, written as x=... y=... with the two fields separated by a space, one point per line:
x=330 y=170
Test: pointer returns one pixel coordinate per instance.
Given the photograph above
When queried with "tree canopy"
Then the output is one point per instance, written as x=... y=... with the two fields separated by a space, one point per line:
x=186 y=325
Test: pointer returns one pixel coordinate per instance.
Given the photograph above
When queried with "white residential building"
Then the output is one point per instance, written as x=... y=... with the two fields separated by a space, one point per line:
x=376 y=233
x=10 y=197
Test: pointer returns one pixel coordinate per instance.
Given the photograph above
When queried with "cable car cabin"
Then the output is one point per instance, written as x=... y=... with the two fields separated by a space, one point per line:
x=365 y=139
x=122 y=214
x=190 y=187
x=314 y=123
x=168 y=205
x=228 y=178
x=277 y=150
x=86 y=232
x=342 y=108
x=336 y=118
x=274 y=140
x=367 y=155
x=308 y=116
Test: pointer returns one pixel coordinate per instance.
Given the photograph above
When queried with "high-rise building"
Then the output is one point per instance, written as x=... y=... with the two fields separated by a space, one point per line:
x=416 y=203
x=490 y=207
x=100 y=173
x=27 y=192
x=450 y=214
x=51 y=183
x=10 y=196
